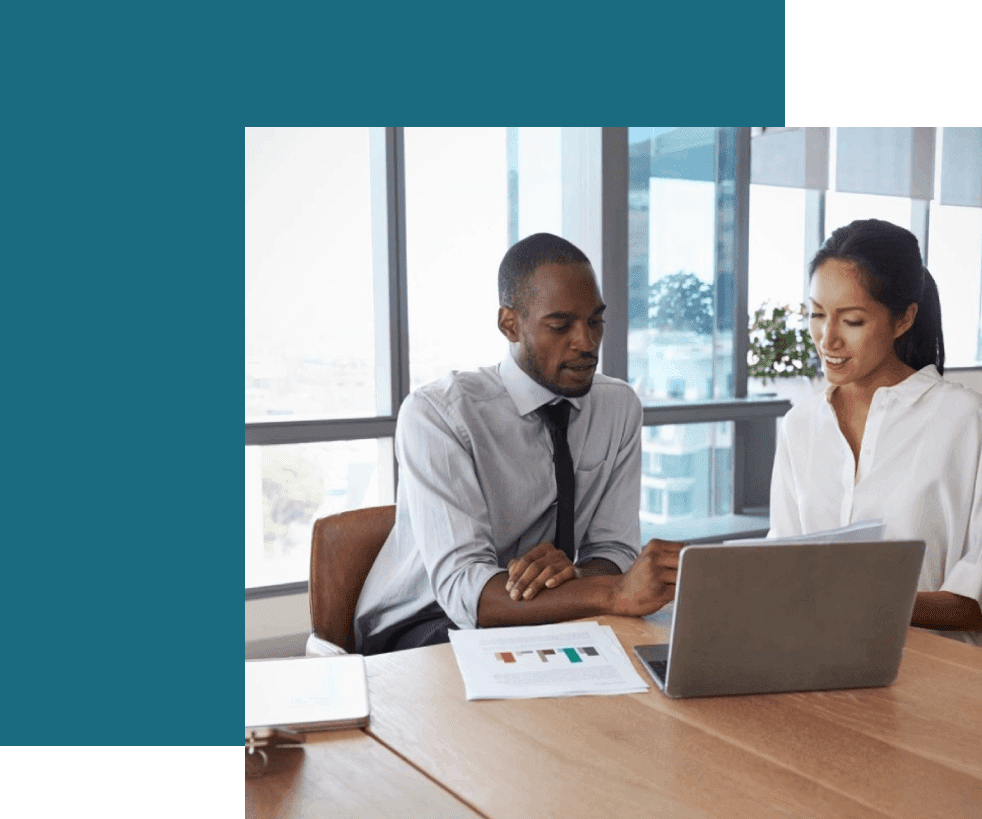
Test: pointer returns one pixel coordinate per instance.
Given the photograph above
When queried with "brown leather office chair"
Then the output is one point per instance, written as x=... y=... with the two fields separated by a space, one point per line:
x=342 y=550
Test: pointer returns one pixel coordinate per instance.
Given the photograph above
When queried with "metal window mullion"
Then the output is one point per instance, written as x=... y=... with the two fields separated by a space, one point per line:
x=398 y=280
x=304 y=432
x=814 y=234
x=614 y=238
x=741 y=340
x=713 y=411
x=398 y=303
x=741 y=217
x=920 y=222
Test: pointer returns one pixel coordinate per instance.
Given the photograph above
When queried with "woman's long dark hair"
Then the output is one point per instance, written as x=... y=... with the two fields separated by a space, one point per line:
x=888 y=259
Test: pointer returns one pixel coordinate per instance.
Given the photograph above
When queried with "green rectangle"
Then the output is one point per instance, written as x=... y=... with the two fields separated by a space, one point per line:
x=573 y=656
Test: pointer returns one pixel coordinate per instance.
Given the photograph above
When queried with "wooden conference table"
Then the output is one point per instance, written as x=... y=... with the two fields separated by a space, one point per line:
x=913 y=749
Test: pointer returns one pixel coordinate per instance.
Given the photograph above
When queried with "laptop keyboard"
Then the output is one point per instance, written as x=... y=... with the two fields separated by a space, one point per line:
x=660 y=668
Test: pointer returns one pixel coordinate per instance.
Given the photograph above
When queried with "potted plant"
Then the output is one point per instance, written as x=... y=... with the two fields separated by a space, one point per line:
x=782 y=359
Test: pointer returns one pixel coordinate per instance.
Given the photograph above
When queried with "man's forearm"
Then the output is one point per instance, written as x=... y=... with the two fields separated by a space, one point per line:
x=597 y=566
x=589 y=596
x=643 y=589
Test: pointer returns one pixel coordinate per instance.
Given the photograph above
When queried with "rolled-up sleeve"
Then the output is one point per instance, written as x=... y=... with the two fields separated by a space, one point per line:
x=447 y=508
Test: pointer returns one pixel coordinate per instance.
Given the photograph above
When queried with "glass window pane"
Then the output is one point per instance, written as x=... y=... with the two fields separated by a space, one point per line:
x=681 y=259
x=843 y=208
x=309 y=291
x=777 y=261
x=470 y=192
x=955 y=261
x=538 y=177
x=686 y=474
x=288 y=487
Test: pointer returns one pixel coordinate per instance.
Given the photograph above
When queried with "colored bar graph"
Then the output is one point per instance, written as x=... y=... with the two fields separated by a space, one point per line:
x=573 y=655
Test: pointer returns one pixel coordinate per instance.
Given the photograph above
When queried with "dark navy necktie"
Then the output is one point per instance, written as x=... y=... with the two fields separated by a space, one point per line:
x=556 y=417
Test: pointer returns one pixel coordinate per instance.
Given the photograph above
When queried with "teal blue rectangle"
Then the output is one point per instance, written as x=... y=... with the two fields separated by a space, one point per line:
x=573 y=655
x=159 y=428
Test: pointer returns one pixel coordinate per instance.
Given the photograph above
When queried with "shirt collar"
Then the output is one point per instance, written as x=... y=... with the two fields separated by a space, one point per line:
x=527 y=393
x=908 y=390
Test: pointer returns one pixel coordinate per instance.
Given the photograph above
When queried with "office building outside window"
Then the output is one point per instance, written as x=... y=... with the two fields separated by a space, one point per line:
x=681 y=275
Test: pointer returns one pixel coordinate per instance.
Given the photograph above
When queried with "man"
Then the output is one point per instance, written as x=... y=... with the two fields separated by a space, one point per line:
x=474 y=542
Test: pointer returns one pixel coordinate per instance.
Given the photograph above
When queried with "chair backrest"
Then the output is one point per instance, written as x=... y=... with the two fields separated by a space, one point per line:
x=343 y=548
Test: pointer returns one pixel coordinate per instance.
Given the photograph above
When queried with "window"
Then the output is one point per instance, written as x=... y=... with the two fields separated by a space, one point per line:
x=289 y=486
x=809 y=181
x=317 y=344
x=359 y=239
x=341 y=322
x=954 y=252
x=470 y=194
x=843 y=208
x=686 y=187
x=653 y=502
x=778 y=220
x=310 y=344
x=680 y=504
x=681 y=235
x=364 y=246
x=692 y=466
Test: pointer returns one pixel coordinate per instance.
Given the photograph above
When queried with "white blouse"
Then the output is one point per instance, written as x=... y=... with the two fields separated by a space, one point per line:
x=920 y=470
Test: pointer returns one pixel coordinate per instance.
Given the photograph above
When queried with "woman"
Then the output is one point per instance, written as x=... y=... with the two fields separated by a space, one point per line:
x=888 y=438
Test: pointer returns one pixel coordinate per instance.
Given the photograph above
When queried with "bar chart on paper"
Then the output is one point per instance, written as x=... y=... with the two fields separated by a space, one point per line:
x=561 y=660
x=545 y=655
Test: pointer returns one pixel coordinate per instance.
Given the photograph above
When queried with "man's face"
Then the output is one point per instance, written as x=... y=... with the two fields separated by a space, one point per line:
x=559 y=339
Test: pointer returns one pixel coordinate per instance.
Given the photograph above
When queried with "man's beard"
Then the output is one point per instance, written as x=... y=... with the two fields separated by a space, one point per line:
x=534 y=370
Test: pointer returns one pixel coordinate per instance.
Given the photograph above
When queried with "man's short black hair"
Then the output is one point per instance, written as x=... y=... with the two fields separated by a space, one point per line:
x=521 y=261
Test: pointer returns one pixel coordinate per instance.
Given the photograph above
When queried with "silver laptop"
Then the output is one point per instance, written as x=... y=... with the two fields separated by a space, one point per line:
x=305 y=694
x=786 y=617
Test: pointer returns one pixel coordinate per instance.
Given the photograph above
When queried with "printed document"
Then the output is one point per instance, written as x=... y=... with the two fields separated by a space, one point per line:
x=561 y=660
x=863 y=531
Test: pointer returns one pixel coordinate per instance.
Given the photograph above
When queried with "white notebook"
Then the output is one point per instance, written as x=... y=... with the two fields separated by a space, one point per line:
x=305 y=694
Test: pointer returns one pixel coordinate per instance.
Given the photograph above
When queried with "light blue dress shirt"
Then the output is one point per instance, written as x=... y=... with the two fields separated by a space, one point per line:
x=477 y=487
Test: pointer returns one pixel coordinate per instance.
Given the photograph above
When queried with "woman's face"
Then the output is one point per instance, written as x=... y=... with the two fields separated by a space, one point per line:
x=853 y=332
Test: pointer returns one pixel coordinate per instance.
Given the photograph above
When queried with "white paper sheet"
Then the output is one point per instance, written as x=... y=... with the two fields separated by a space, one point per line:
x=561 y=660
x=862 y=531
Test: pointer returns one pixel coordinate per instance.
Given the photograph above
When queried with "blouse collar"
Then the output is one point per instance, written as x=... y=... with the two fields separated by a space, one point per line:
x=908 y=390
